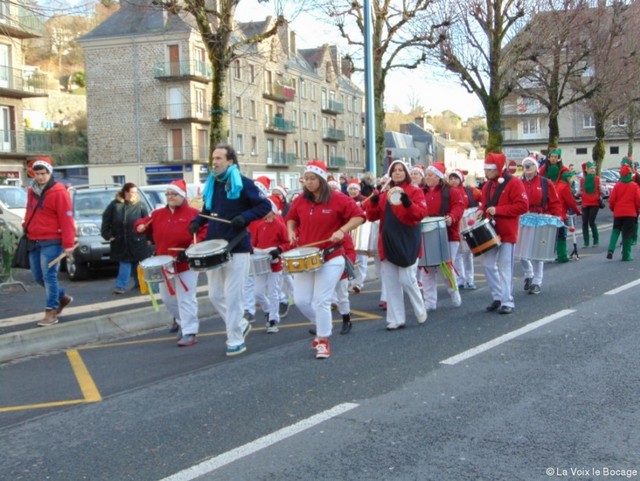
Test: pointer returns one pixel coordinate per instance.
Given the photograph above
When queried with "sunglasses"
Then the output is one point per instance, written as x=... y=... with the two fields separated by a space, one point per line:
x=171 y=194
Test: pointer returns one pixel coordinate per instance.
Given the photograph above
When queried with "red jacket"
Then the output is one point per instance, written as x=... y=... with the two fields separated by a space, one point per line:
x=590 y=200
x=512 y=203
x=624 y=200
x=567 y=200
x=533 y=188
x=171 y=229
x=433 y=198
x=269 y=235
x=54 y=219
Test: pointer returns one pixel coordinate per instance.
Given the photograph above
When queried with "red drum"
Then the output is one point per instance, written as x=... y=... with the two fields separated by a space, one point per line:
x=481 y=237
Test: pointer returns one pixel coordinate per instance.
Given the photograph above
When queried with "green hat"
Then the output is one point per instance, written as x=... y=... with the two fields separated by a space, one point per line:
x=567 y=174
x=591 y=165
x=627 y=161
x=555 y=150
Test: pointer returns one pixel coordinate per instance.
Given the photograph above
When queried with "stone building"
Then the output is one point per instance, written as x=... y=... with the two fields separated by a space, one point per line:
x=148 y=91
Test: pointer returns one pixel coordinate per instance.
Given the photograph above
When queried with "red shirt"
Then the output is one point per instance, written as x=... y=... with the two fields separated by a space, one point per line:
x=54 y=219
x=269 y=235
x=433 y=197
x=512 y=203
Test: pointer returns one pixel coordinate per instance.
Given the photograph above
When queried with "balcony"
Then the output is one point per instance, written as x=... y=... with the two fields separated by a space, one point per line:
x=185 y=112
x=332 y=135
x=278 y=125
x=332 y=107
x=522 y=110
x=184 y=154
x=335 y=161
x=27 y=142
x=20 y=83
x=280 y=92
x=281 y=158
x=197 y=71
x=19 y=22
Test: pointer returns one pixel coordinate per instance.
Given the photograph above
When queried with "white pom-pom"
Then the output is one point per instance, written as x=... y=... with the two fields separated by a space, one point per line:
x=500 y=180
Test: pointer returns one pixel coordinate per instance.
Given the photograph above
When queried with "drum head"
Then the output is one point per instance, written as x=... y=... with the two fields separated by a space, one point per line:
x=207 y=247
x=395 y=193
x=156 y=261
x=300 y=252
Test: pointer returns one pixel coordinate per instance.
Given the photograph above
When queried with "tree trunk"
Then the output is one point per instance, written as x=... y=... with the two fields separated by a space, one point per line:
x=218 y=129
x=494 y=125
x=554 y=127
x=598 y=148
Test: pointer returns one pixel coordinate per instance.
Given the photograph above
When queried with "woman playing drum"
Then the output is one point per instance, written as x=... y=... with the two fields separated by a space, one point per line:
x=169 y=229
x=400 y=210
x=324 y=217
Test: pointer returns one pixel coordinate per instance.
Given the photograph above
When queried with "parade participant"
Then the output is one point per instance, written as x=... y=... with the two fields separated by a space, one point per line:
x=552 y=167
x=504 y=200
x=322 y=216
x=624 y=201
x=399 y=243
x=269 y=235
x=333 y=184
x=368 y=184
x=417 y=176
x=567 y=201
x=50 y=229
x=341 y=294
x=543 y=199
x=169 y=229
x=442 y=201
x=463 y=261
x=279 y=197
x=590 y=203
x=127 y=247
x=362 y=260
x=234 y=198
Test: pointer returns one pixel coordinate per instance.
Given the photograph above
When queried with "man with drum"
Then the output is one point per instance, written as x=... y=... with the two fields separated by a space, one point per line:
x=543 y=199
x=504 y=200
x=231 y=202
x=169 y=229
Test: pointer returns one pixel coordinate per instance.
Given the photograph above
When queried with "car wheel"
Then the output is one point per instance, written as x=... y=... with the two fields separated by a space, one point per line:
x=76 y=271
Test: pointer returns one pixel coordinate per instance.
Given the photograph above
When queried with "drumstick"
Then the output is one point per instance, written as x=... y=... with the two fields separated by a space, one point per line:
x=381 y=191
x=176 y=248
x=316 y=243
x=58 y=259
x=210 y=217
x=147 y=224
x=195 y=239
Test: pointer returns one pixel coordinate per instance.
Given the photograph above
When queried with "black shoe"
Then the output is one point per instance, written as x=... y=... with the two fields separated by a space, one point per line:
x=174 y=327
x=494 y=306
x=506 y=310
x=534 y=289
x=346 y=327
x=609 y=254
x=527 y=283
x=283 y=309
x=312 y=331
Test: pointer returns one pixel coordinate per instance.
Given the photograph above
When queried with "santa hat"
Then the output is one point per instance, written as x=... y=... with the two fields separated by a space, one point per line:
x=334 y=184
x=495 y=160
x=418 y=168
x=529 y=160
x=354 y=184
x=274 y=207
x=281 y=189
x=263 y=183
x=438 y=169
x=458 y=174
x=406 y=167
x=43 y=162
x=179 y=187
x=317 y=167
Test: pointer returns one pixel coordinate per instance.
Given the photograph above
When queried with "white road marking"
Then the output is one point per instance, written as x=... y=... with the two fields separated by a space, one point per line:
x=242 y=451
x=617 y=290
x=505 y=337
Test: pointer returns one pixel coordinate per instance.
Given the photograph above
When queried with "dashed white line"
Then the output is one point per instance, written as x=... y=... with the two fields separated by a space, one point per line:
x=624 y=287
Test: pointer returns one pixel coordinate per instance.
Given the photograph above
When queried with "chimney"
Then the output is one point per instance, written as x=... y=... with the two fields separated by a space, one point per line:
x=420 y=121
x=292 y=43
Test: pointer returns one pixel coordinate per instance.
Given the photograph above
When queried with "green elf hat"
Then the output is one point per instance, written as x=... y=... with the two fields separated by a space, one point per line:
x=568 y=175
x=556 y=150
x=591 y=165
x=627 y=161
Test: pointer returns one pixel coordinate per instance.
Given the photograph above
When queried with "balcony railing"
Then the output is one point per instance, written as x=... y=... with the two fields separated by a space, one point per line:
x=332 y=134
x=187 y=69
x=29 y=141
x=335 y=161
x=281 y=158
x=184 y=153
x=332 y=107
x=20 y=22
x=185 y=112
x=523 y=109
x=279 y=125
x=19 y=83
x=281 y=92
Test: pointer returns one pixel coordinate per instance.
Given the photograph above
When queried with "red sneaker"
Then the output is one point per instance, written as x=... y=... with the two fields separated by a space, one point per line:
x=323 y=351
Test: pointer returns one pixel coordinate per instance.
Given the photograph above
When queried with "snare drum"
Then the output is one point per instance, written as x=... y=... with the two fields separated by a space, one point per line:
x=481 y=237
x=302 y=259
x=260 y=265
x=362 y=237
x=154 y=266
x=537 y=237
x=467 y=216
x=208 y=255
x=435 y=243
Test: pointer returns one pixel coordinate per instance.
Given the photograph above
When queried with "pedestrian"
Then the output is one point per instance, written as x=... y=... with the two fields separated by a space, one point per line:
x=552 y=167
x=543 y=199
x=169 y=229
x=590 y=203
x=233 y=198
x=567 y=201
x=323 y=217
x=417 y=176
x=624 y=201
x=400 y=208
x=50 y=231
x=127 y=246
x=504 y=200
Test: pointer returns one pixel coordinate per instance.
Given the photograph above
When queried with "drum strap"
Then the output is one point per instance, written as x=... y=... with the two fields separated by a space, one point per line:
x=472 y=201
x=493 y=200
x=444 y=200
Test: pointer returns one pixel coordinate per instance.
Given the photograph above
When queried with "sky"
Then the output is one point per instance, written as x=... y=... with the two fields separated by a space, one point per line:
x=434 y=91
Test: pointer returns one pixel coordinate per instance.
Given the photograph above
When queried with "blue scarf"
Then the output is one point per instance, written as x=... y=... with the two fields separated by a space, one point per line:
x=233 y=186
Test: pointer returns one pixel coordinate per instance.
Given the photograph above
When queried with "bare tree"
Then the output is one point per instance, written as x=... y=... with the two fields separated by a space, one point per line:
x=398 y=32
x=216 y=25
x=481 y=47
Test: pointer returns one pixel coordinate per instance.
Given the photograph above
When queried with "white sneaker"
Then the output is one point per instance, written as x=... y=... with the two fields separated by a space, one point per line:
x=272 y=327
x=422 y=317
x=456 y=299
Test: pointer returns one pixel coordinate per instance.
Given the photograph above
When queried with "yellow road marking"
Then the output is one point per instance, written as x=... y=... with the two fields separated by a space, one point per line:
x=85 y=381
x=54 y=404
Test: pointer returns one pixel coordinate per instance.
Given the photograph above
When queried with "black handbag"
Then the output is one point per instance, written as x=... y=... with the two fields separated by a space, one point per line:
x=21 y=256
x=602 y=204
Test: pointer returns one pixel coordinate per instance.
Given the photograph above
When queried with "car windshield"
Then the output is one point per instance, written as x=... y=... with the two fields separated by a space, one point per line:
x=91 y=203
x=13 y=197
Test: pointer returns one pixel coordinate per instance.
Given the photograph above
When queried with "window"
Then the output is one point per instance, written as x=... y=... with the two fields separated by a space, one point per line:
x=614 y=150
x=315 y=150
x=238 y=106
x=304 y=120
x=581 y=151
x=530 y=126
x=119 y=179
x=296 y=149
x=305 y=151
x=200 y=103
x=237 y=70
x=253 y=110
x=355 y=104
x=312 y=88
x=200 y=61
x=314 y=121
x=619 y=121
x=239 y=143
x=303 y=88
x=323 y=98
x=349 y=129
x=252 y=74
x=254 y=145
x=588 y=122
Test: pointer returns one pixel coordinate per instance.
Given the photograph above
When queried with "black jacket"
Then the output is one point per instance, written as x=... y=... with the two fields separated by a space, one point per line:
x=117 y=222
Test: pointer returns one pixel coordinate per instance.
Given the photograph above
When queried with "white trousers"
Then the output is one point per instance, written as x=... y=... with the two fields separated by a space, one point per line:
x=361 y=270
x=267 y=294
x=383 y=293
x=313 y=291
x=397 y=281
x=226 y=293
x=463 y=262
x=430 y=279
x=498 y=267
x=533 y=270
x=249 y=295
x=183 y=305
x=286 y=287
x=342 y=297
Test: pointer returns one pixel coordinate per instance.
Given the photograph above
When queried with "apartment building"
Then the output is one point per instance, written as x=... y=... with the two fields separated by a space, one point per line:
x=148 y=91
x=17 y=82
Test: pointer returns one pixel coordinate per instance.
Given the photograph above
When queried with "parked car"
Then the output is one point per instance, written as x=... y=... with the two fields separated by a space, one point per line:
x=89 y=202
x=13 y=199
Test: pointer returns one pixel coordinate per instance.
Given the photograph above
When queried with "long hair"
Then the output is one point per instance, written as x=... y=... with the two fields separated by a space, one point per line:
x=323 y=196
x=126 y=188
